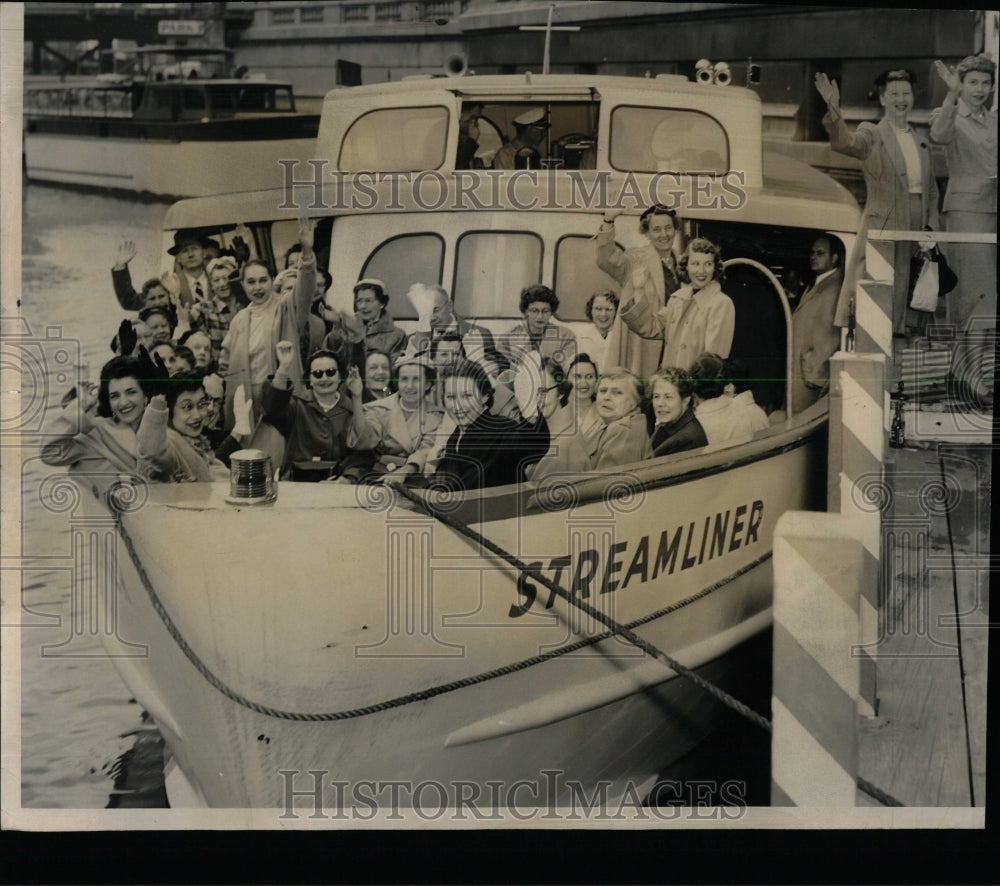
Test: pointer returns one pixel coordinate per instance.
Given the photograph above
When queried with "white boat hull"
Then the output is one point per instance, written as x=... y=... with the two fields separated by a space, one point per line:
x=161 y=168
x=388 y=649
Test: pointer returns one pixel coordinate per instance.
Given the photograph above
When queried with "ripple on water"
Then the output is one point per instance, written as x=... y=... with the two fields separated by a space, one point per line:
x=76 y=717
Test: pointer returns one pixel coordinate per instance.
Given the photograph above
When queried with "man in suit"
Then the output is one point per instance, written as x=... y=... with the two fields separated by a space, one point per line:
x=815 y=337
x=477 y=341
x=192 y=253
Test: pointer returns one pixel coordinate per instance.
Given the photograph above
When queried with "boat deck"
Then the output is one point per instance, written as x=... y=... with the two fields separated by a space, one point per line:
x=927 y=746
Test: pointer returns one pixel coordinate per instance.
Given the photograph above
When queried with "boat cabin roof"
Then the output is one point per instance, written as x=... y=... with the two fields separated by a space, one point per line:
x=649 y=125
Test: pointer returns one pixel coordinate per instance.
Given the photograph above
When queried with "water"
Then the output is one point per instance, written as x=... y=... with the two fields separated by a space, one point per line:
x=78 y=723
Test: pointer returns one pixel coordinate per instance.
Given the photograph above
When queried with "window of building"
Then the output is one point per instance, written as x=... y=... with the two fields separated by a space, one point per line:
x=283 y=16
x=491 y=269
x=668 y=140
x=395 y=140
x=311 y=13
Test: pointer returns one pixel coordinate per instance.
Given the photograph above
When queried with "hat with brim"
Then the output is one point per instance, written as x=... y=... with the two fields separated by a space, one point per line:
x=533 y=117
x=421 y=358
x=187 y=237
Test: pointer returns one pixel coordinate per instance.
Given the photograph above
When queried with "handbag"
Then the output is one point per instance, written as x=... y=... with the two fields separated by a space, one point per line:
x=930 y=278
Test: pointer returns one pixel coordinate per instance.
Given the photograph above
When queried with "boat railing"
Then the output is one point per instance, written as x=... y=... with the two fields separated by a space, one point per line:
x=78 y=101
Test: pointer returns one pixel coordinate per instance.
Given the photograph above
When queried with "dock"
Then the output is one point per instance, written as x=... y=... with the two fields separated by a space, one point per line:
x=927 y=744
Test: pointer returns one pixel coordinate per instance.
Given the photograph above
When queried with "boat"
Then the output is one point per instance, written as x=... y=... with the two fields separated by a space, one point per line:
x=171 y=127
x=342 y=647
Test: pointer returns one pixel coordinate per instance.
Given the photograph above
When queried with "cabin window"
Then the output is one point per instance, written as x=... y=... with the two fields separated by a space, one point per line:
x=402 y=261
x=577 y=276
x=491 y=269
x=395 y=140
x=569 y=142
x=668 y=140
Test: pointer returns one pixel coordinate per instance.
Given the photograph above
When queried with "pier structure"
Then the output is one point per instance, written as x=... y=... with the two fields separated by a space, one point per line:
x=883 y=601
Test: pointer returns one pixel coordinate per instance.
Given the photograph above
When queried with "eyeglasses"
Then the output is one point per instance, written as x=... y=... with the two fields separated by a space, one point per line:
x=543 y=391
x=319 y=373
x=539 y=312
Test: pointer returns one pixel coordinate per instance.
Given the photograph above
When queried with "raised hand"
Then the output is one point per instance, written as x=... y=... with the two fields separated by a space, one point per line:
x=153 y=372
x=241 y=243
x=172 y=283
x=827 y=89
x=307 y=230
x=611 y=214
x=242 y=410
x=355 y=384
x=125 y=253
x=285 y=352
x=127 y=339
x=949 y=75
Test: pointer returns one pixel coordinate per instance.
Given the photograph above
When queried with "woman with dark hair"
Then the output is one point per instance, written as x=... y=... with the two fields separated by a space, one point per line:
x=538 y=305
x=601 y=310
x=675 y=429
x=568 y=451
x=399 y=431
x=99 y=438
x=485 y=449
x=172 y=448
x=659 y=257
x=968 y=128
x=723 y=419
x=248 y=352
x=378 y=381
x=902 y=194
x=699 y=316
x=622 y=438
x=583 y=375
x=314 y=421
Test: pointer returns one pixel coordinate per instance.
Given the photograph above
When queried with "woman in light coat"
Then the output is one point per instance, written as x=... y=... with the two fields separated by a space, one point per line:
x=902 y=194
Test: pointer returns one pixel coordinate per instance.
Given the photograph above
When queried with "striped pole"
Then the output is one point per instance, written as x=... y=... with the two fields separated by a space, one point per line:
x=819 y=575
x=855 y=485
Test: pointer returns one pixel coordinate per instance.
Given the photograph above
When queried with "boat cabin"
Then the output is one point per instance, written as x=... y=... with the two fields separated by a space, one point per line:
x=663 y=124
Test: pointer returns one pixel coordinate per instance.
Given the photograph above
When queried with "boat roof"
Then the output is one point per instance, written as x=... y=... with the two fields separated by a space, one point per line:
x=793 y=194
x=178 y=50
x=528 y=86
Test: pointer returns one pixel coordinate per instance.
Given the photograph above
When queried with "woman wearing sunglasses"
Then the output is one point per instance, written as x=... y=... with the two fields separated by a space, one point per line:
x=314 y=421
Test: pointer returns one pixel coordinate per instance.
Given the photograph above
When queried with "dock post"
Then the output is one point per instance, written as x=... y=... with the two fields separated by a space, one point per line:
x=819 y=576
x=856 y=487
x=859 y=425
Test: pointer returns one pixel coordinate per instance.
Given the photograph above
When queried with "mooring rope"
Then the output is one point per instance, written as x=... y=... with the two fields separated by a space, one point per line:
x=596 y=614
x=277 y=713
x=614 y=629
x=622 y=631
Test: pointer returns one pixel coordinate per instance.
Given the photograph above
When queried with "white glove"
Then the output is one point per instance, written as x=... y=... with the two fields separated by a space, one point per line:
x=243 y=410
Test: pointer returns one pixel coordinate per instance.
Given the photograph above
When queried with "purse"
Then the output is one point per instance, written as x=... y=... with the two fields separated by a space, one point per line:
x=930 y=278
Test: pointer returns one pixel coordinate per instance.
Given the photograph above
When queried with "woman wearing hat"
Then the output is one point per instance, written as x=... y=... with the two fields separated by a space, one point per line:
x=902 y=194
x=968 y=128
x=400 y=431
x=659 y=224
x=370 y=300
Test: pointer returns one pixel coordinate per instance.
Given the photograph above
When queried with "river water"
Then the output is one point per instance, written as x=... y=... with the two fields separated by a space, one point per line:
x=79 y=727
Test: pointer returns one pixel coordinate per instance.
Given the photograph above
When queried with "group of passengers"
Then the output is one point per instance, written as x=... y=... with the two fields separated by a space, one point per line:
x=227 y=354
x=902 y=195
